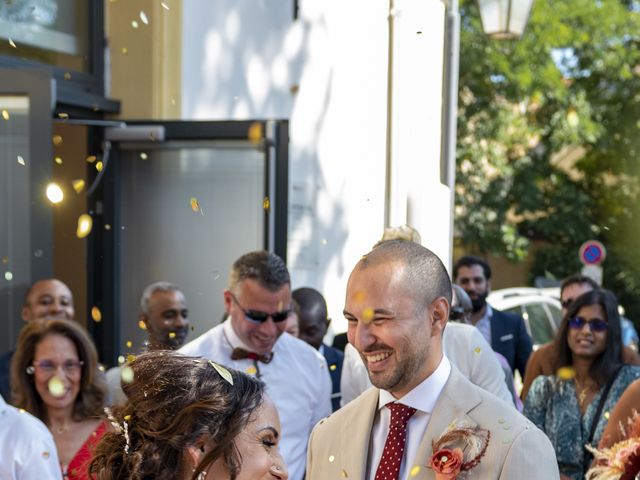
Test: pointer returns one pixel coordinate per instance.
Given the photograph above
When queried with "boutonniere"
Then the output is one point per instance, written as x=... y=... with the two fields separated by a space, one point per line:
x=622 y=460
x=458 y=450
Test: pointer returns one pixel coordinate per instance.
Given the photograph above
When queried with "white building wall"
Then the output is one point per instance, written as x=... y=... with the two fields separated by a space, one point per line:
x=327 y=73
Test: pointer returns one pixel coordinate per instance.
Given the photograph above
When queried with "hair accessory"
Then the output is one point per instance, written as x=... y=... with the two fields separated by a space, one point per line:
x=120 y=429
x=30 y=370
x=224 y=373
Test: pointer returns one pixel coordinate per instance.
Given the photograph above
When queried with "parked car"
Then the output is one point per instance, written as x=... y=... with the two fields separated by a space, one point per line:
x=540 y=308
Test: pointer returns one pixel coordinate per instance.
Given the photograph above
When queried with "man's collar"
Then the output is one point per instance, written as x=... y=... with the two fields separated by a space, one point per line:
x=424 y=396
x=233 y=337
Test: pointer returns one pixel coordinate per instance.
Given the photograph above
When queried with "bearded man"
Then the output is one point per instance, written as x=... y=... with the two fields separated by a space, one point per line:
x=506 y=332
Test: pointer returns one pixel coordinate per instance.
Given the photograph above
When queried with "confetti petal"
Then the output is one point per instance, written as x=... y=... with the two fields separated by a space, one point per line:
x=224 y=373
x=164 y=5
x=415 y=470
x=367 y=314
x=78 y=185
x=134 y=24
x=566 y=373
x=58 y=160
x=12 y=43
x=477 y=350
x=45 y=454
x=131 y=357
x=143 y=155
x=144 y=18
x=251 y=370
x=57 y=140
x=85 y=224
x=255 y=132
x=8 y=276
x=63 y=116
x=128 y=343
x=195 y=205
x=266 y=203
x=67 y=76
x=332 y=367
x=172 y=334
x=21 y=161
x=91 y=158
x=56 y=387
x=141 y=324
x=5 y=114
x=127 y=374
x=96 y=314
x=331 y=458
x=54 y=193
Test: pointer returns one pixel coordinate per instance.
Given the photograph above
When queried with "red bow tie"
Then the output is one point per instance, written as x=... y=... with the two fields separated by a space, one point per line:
x=240 y=353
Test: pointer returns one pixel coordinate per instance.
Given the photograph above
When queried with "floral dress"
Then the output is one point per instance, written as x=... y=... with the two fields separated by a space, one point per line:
x=552 y=405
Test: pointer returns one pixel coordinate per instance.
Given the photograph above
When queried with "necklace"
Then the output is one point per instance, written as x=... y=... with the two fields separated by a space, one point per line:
x=59 y=429
x=582 y=393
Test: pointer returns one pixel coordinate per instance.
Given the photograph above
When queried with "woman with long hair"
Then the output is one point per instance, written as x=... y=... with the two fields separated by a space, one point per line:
x=55 y=376
x=190 y=418
x=572 y=406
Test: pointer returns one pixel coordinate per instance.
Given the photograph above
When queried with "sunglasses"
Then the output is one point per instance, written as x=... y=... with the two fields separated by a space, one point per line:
x=566 y=303
x=257 y=316
x=595 y=325
x=456 y=314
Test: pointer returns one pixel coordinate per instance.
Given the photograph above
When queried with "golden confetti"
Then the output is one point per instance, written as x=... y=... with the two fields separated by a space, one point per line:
x=142 y=325
x=91 y=158
x=12 y=43
x=144 y=18
x=331 y=458
x=566 y=373
x=344 y=473
x=128 y=343
x=255 y=132
x=195 y=205
x=22 y=410
x=127 y=417
x=143 y=156
x=54 y=193
x=359 y=297
x=415 y=470
x=172 y=334
x=101 y=368
x=5 y=114
x=125 y=50
x=121 y=360
x=85 y=224
x=63 y=116
x=367 y=314
x=134 y=24
x=96 y=314
x=99 y=166
x=130 y=357
x=126 y=374
x=78 y=185
x=333 y=367
x=8 y=276
x=58 y=160
x=266 y=203
x=164 y=5
x=67 y=76
x=57 y=140
x=251 y=370
x=21 y=161
x=224 y=373
x=607 y=415
x=56 y=387
x=45 y=454
x=477 y=350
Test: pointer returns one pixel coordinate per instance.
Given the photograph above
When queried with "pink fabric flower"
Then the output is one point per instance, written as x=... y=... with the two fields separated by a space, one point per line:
x=446 y=463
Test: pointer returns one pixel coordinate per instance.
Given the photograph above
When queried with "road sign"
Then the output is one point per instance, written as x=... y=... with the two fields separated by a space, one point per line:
x=592 y=252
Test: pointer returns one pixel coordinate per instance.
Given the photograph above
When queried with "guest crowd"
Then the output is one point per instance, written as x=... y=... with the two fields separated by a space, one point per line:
x=423 y=387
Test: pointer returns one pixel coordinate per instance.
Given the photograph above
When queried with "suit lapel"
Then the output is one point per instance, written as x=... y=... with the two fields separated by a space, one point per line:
x=356 y=434
x=455 y=401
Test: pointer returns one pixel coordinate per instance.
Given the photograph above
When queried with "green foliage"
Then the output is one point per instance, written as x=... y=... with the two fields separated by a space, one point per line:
x=549 y=138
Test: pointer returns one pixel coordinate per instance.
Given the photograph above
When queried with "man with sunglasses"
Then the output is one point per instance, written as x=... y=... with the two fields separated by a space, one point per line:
x=253 y=340
x=541 y=361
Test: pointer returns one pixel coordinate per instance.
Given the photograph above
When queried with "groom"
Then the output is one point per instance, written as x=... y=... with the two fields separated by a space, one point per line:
x=397 y=305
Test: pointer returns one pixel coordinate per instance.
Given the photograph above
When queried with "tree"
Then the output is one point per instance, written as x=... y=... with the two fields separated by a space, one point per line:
x=549 y=137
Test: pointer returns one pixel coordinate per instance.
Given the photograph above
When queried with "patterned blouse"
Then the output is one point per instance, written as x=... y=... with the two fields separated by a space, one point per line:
x=552 y=405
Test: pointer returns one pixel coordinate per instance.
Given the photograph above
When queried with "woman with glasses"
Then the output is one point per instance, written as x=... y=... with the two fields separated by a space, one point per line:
x=188 y=418
x=572 y=407
x=55 y=376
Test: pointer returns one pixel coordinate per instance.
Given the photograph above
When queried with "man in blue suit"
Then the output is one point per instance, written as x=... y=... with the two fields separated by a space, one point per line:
x=506 y=332
x=313 y=324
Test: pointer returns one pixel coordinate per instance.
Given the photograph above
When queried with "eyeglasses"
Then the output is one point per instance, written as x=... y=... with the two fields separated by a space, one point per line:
x=70 y=367
x=257 y=316
x=595 y=325
x=456 y=314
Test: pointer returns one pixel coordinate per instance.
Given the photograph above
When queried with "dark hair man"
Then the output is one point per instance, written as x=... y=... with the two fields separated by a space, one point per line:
x=258 y=301
x=397 y=305
x=48 y=297
x=506 y=332
x=313 y=322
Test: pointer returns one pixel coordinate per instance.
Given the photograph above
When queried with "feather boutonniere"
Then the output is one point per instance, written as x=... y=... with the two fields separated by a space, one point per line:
x=458 y=450
x=622 y=460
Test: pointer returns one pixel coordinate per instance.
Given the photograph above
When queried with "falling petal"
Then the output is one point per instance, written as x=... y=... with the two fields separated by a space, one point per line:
x=78 y=185
x=57 y=140
x=266 y=203
x=142 y=325
x=344 y=473
x=58 y=160
x=125 y=50
x=255 y=132
x=121 y=360
x=99 y=166
x=607 y=415
x=224 y=373
x=5 y=260
x=127 y=374
x=367 y=315
x=67 y=76
x=251 y=370
x=12 y=43
x=130 y=357
x=5 y=114
x=172 y=334
x=63 y=116
x=101 y=368
x=56 y=387
x=164 y=5
x=332 y=367
x=96 y=314
x=195 y=205
x=143 y=156
x=477 y=350
x=91 y=158
x=415 y=470
x=85 y=224
x=107 y=226
x=21 y=161
x=134 y=24
x=54 y=193
x=144 y=18
x=8 y=276
x=45 y=454
x=566 y=373
x=331 y=458
x=128 y=343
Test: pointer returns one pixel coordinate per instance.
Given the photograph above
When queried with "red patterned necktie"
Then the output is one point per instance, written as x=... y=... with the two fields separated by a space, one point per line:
x=389 y=466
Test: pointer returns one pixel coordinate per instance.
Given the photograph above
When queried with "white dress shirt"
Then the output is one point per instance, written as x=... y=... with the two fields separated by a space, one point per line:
x=27 y=450
x=463 y=345
x=423 y=398
x=484 y=324
x=297 y=380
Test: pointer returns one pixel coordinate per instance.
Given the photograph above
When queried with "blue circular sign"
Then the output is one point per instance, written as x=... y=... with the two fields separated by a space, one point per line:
x=592 y=252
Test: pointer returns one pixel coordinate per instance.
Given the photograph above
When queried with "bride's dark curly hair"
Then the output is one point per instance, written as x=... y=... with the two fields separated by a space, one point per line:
x=173 y=402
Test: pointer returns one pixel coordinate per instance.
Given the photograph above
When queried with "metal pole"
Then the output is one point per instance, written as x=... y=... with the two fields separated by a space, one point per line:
x=450 y=105
x=389 y=191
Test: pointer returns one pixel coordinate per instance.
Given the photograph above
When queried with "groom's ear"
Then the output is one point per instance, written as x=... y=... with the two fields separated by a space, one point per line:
x=439 y=314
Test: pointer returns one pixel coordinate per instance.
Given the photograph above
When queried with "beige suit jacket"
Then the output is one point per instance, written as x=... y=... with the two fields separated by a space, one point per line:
x=339 y=445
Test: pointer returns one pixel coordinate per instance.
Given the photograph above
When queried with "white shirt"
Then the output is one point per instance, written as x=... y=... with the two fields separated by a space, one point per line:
x=484 y=324
x=423 y=398
x=297 y=381
x=27 y=450
x=463 y=345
